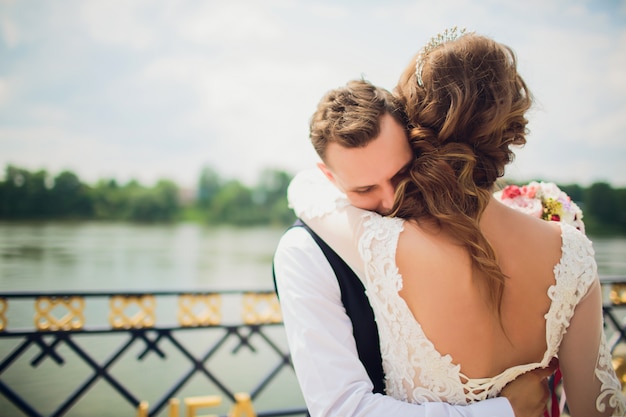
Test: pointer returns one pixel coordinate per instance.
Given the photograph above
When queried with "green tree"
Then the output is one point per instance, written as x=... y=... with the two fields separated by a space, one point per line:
x=25 y=194
x=109 y=202
x=600 y=202
x=620 y=198
x=575 y=192
x=209 y=185
x=36 y=195
x=600 y=208
x=270 y=195
x=232 y=204
x=168 y=197
x=156 y=204
x=70 y=198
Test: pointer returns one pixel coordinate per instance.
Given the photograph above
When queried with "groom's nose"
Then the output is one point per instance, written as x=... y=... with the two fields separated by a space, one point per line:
x=386 y=198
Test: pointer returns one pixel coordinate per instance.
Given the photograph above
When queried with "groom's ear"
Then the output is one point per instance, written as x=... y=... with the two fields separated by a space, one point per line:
x=327 y=172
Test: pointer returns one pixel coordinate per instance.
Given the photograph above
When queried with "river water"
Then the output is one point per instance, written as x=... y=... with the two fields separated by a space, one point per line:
x=117 y=257
x=89 y=256
x=104 y=256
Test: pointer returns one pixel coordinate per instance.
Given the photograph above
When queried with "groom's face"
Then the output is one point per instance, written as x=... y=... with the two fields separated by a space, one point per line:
x=368 y=175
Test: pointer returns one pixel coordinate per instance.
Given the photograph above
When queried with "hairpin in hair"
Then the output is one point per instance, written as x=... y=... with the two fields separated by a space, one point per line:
x=439 y=39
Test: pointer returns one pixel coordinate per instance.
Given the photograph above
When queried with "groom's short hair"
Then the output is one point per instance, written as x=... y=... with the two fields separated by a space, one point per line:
x=350 y=116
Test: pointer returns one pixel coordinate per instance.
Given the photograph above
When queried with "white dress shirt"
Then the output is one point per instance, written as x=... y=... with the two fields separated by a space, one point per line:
x=333 y=381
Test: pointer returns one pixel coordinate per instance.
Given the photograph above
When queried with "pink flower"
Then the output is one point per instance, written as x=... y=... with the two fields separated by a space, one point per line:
x=543 y=200
x=511 y=191
x=530 y=190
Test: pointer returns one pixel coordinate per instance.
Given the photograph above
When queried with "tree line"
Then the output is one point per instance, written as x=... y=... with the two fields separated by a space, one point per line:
x=26 y=195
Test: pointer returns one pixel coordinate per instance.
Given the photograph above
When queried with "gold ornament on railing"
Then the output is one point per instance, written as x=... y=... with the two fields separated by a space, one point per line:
x=261 y=308
x=192 y=404
x=47 y=307
x=199 y=310
x=618 y=294
x=243 y=406
x=122 y=306
x=3 y=309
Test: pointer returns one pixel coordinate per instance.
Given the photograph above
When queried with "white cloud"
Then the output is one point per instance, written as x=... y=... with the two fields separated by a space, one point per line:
x=118 y=22
x=10 y=33
x=328 y=11
x=221 y=23
x=53 y=149
x=4 y=91
x=161 y=88
x=265 y=109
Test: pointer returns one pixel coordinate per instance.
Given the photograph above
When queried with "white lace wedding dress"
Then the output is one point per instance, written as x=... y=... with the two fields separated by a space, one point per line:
x=415 y=371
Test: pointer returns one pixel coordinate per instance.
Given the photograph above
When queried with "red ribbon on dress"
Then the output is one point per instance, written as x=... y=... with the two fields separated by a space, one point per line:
x=555 y=406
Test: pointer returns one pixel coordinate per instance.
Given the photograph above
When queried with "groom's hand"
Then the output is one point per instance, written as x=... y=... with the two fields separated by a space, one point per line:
x=528 y=394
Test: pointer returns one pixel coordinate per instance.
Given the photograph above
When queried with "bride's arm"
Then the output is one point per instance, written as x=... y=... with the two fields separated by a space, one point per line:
x=590 y=384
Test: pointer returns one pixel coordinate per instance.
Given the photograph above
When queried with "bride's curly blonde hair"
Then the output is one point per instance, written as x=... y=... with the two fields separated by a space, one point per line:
x=465 y=112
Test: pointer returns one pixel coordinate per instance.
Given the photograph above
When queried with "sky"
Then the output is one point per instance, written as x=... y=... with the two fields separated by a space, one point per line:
x=159 y=89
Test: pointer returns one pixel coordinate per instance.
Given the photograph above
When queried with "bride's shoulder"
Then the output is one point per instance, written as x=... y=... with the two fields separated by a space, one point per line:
x=550 y=243
x=575 y=240
x=520 y=224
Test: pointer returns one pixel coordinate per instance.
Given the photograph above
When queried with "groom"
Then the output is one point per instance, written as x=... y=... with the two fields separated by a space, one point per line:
x=358 y=132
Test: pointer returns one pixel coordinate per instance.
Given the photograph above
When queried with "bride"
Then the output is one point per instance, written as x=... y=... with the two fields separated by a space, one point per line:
x=468 y=293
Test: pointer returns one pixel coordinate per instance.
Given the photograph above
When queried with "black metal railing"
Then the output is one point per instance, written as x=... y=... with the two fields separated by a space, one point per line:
x=240 y=323
x=212 y=335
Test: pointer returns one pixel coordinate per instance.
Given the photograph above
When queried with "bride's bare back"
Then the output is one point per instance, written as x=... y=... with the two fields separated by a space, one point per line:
x=443 y=293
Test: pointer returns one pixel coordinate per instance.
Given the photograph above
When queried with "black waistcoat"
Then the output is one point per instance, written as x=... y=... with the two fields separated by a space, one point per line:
x=358 y=309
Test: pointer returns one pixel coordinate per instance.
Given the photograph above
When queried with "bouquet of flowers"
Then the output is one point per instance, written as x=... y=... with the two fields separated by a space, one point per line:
x=543 y=200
